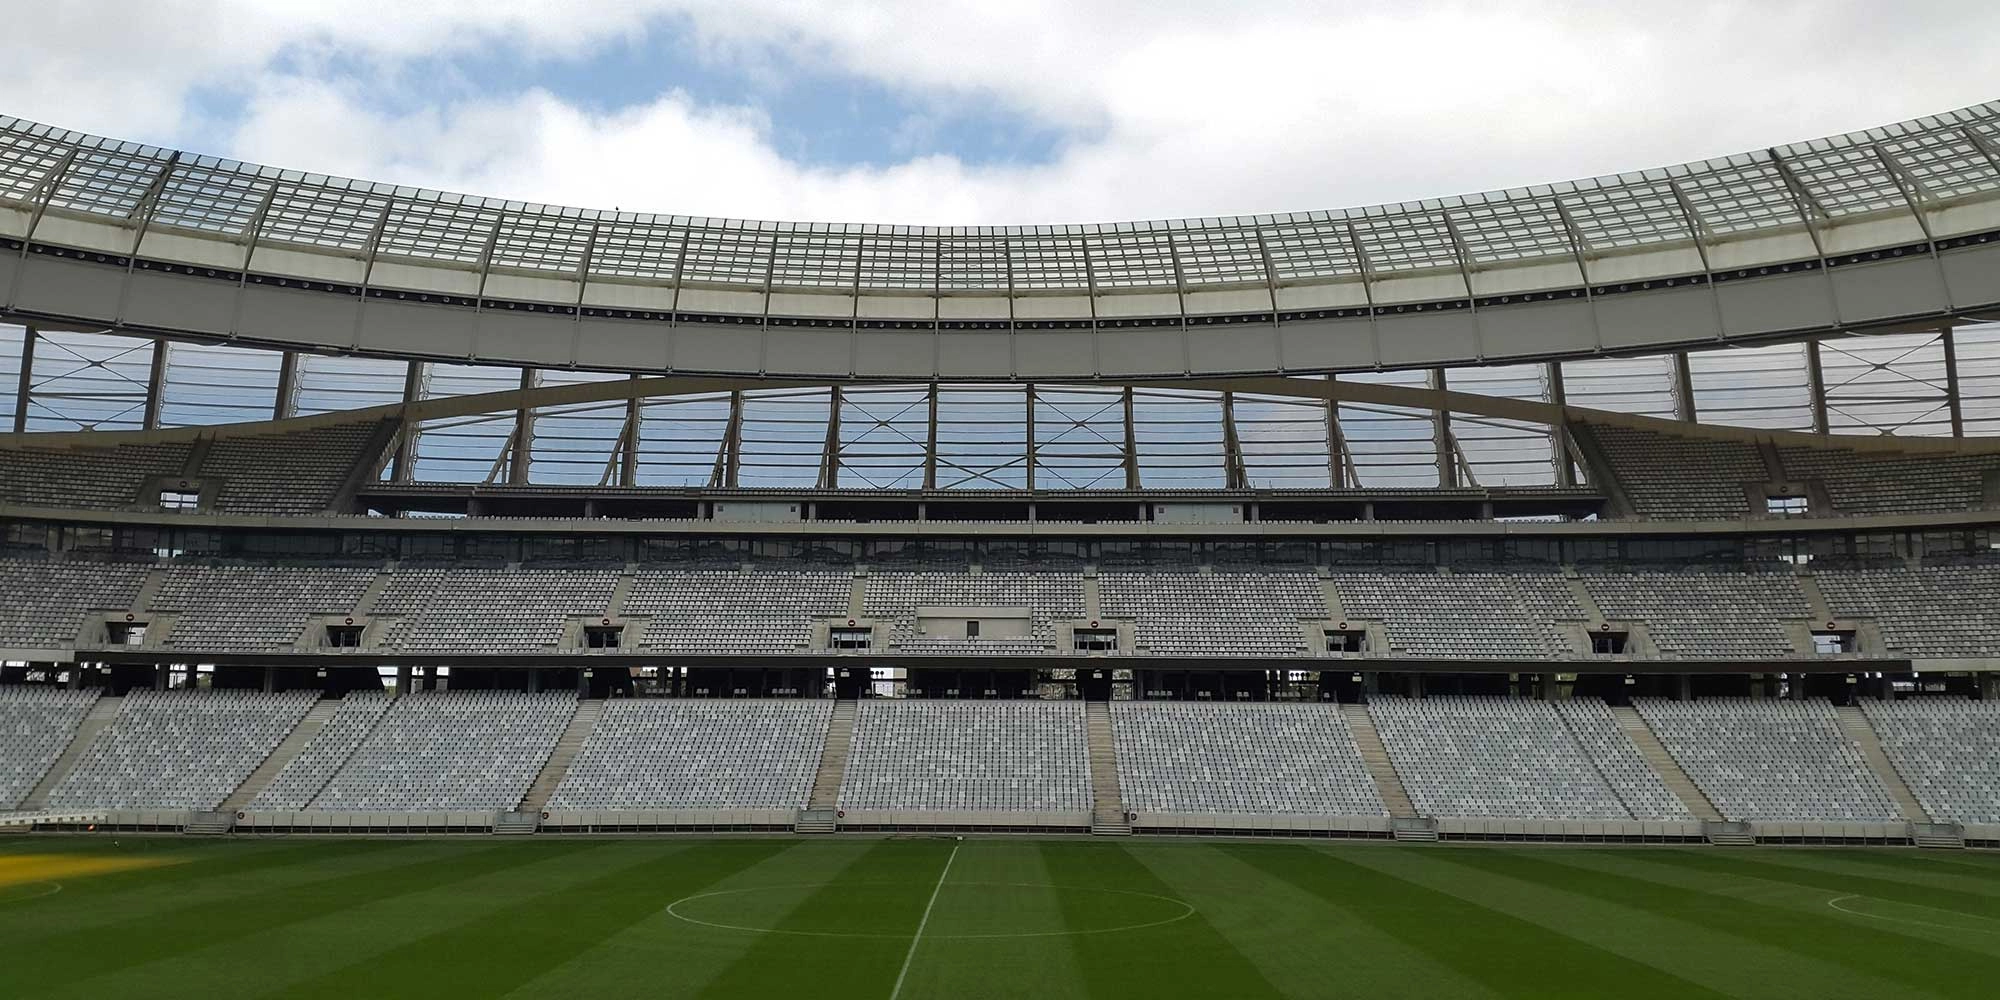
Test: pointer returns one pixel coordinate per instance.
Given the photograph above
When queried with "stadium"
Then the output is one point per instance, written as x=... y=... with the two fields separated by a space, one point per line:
x=412 y=592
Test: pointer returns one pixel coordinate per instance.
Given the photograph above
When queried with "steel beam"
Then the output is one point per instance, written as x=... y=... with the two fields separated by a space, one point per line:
x=1131 y=445
x=1683 y=389
x=27 y=380
x=931 y=438
x=1951 y=395
x=156 y=383
x=406 y=433
x=286 y=402
x=1447 y=463
x=829 y=455
x=524 y=432
x=1816 y=384
x=1559 y=430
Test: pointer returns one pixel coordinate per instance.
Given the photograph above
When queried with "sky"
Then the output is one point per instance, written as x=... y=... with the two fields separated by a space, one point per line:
x=1024 y=111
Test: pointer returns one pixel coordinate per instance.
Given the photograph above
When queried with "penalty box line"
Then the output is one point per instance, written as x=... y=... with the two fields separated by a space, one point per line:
x=917 y=938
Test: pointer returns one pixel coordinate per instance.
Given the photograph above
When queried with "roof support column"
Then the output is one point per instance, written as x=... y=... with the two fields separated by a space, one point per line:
x=288 y=386
x=1683 y=388
x=1131 y=445
x=930 y=438
x=1447 y=463
x=628 y=457
x=829 y=455
x=1559 y=430
x=1816 y=384
x=1951 y=381
x=728 y=458
x=1235 y=476
x=27 y=381
x=524 y=432
x=1034 y=451
x=156 y=384
x=1339 y=465
x=406 y=432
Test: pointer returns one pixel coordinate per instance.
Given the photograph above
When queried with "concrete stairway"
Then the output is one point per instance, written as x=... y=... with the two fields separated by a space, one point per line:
x=1664 y=765
x=820 y=814
x=100 y=715
x=516 y=824
x=567 y=747
x=1107 y=809
x=1854 y=722
x=209 y=823
x=295 y=742
x=1376 y=757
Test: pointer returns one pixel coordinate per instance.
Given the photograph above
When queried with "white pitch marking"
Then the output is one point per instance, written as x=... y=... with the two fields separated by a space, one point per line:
x=1837 y=900
x=919 y=936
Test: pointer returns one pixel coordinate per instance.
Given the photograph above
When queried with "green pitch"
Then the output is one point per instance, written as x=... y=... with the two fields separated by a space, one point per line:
x=941 y=918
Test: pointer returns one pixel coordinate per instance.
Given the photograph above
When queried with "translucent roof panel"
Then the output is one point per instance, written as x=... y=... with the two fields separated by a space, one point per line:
x=1948 y=156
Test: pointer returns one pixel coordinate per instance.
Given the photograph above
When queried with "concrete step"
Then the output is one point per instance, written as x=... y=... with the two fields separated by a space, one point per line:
x=1663 y=764
x=209 y=824
x=1724 y=833
x=516 y=824
x=816 y=821
x=1376 y=757
x=568 y=745
x=825 y=795
x=1938 y=836
x=295 y=743
x=1107 y=798
x=1854 y=722
x=99 y=716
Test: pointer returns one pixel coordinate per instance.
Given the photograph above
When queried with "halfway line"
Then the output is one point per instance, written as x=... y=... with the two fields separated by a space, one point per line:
x=912 y=954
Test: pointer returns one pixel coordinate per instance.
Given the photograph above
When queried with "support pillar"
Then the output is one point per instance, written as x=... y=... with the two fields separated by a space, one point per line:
x=27 y=381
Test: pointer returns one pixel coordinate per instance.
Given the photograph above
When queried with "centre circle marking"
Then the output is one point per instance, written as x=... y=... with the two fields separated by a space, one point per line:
x=1187 y=910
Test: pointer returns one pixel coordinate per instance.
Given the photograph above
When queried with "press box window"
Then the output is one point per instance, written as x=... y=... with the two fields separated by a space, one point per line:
x=180 y=500
x=850 y=638
x=1832 y=642
x=1609 y=643
x=1786 y=506
x=603 y=636
x=344 y=636
x=126 y=633
x=1095 y=640
x=1343 y=640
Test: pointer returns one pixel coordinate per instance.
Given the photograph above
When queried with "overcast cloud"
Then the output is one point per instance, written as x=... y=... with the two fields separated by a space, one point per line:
x=1163 y=109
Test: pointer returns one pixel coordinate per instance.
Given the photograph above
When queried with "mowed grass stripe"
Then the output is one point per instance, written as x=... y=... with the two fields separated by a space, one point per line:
x=996 y=886
x=1511 y=956
x=661 y=955
x=1985 y=908
x=1506 y=881
x=1906 y=868
x=519 y=941
x=296 y=952
x=1185 y=958
x=881 y=892
x=75 y=956
x=1827 y=962
x=201 y=872
x=1304 y=945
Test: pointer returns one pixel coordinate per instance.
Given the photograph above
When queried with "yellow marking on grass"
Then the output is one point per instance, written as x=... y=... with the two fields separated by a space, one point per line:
x=17 y=869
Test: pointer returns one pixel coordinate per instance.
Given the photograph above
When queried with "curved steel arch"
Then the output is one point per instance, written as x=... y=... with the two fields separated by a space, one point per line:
x=1877 y=228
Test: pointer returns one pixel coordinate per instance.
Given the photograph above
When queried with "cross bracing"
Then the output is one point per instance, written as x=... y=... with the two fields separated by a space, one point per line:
x=1369 y=430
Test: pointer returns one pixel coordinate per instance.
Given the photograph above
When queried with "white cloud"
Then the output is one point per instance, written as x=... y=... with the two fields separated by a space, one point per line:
x=1178 y=109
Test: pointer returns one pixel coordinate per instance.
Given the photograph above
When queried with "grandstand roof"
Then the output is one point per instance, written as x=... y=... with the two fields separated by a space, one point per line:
x=1874 y=228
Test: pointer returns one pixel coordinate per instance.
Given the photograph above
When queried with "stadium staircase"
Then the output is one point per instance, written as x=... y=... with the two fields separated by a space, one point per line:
x=821 y=814
x=1376 y=757
x=209 y=823
x=1107 y=809
x=1855 y=723
x=567 y=747
x=316 y=719
x=1664 y=765
x=516 y=824
x=100 y=716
